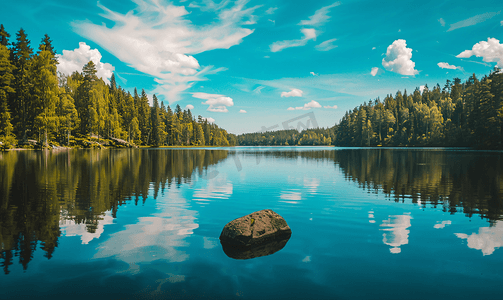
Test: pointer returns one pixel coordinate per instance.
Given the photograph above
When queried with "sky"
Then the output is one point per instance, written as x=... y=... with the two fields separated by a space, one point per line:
x=253 y=65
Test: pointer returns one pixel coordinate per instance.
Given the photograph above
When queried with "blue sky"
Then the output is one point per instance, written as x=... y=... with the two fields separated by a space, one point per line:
x=254 y=64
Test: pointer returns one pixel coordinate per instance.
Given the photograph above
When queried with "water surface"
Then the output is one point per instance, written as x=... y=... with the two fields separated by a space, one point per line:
x=144 y=224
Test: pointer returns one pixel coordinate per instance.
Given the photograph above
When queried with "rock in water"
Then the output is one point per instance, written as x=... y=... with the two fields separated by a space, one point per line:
x=255 y=229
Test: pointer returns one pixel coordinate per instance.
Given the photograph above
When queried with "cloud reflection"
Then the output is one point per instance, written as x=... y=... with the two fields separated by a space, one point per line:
x=396 y=233
x=487 y=240
x=70 y=228
x=155 y=237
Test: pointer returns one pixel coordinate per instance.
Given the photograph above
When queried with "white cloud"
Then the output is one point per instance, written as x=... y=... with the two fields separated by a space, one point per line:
x=501 y=23
x=307 y=106
x=421 y=88
x=309 y=34
x=313 y=74
x=490 y=51
x=487 y=240
x=160 y=40
x=216 y=102
x=242 y=111
x=74 y=60
x=320 y=16
x=306 y=259
x=292 y=93
x=444 y=65
x=398 y=59
x=330 y=107
x=473 y=20
x=373 y=48
x=312 y=104
x=374 y=71
x=326 y=45
x=271 y=10
x=442 y=22
x=189 y=106
x=209 y=119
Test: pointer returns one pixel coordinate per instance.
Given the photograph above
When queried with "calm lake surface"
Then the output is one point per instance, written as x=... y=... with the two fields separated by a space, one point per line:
x=144 y=224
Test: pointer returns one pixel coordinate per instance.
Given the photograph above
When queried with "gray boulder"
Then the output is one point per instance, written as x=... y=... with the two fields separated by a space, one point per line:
x=255 y=229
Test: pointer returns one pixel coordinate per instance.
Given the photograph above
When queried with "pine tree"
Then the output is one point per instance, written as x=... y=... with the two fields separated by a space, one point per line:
x=4 y=36
x=6 y=78
x=20 y=101
x=44 y=92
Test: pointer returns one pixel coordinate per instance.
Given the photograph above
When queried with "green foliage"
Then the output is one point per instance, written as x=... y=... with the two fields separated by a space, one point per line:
x=466 y=115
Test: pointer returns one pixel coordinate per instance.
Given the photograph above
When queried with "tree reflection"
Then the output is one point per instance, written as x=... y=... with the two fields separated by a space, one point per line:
x=40 y=189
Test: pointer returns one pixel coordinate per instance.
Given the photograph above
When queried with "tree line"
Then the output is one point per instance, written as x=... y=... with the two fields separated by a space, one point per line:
x=291 y=137
x=468 y=114
x=459 y=114
x=38 y=103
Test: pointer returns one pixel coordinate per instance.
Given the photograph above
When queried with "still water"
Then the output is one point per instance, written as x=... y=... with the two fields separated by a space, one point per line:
x=144 y=224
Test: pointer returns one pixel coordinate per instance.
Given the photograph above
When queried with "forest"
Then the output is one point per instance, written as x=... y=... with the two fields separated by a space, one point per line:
x=459 y=114
x=40 y=106
x=468 y=114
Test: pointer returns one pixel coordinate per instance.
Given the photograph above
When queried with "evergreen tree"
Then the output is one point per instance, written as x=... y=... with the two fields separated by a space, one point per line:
x=4 y=36
x=6 y=78
x=44 y=92
x=20 y=101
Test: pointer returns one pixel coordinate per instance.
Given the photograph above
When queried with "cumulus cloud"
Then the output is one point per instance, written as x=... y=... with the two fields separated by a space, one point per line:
x=292 y=93
x=374 y=71
x=326 y=45
x=209 y=119
x=421 y=88
x=216 y=102
x=74 y=60
x=189 y=106
x=330 y=107
x=442 y=22
x=473 y=20
x=444 y=65
x=398 y=59
x=309 y=34
x=307 y=106
x=490 y=51
x=242 y=111
x=160 y=40
x=320 y=16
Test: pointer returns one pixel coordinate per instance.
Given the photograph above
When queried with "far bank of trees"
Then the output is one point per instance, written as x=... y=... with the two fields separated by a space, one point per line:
x=37 y=103
x=459 y=114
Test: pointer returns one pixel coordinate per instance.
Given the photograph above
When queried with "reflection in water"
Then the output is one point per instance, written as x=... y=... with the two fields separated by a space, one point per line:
x=68 y=227
x=442 y=224
x=396 y=233
x=487 y=240
x=454 y=181
x=46 y=193
x=268 y=248
x=154 y=237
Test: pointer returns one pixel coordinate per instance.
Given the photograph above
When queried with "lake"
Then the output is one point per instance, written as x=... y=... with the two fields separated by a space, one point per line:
x=144 y=223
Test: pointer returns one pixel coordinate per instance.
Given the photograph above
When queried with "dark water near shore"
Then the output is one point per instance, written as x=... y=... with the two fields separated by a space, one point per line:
x=144 y=224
